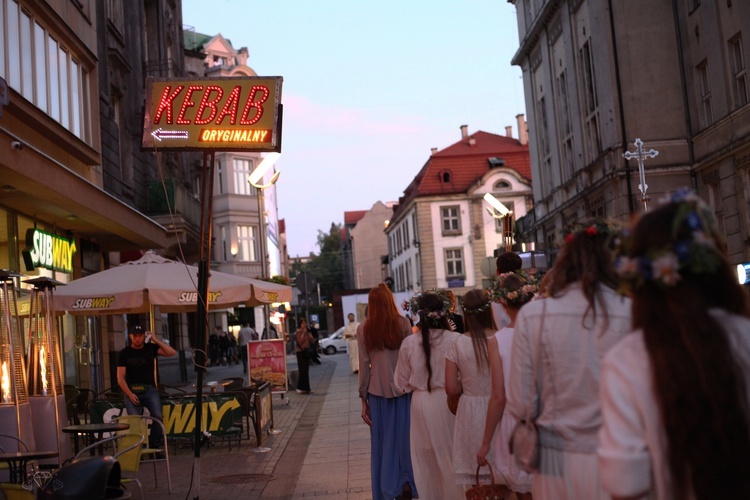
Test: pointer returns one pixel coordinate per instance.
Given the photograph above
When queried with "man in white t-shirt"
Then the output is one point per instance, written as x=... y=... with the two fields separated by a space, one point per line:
x=245 y=335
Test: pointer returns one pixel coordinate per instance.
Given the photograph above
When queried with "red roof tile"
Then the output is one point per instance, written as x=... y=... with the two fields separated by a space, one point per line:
x=466 y=164
x=353 y=216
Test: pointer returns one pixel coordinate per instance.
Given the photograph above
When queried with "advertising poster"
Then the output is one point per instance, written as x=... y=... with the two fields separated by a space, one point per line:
x=267 y=361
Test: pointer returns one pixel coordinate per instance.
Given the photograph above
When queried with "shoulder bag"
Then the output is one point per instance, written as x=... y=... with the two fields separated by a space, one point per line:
x=524 y=441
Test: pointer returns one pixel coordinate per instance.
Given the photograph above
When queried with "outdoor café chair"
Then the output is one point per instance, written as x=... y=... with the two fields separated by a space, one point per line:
x=150 y=454
x=128 y=455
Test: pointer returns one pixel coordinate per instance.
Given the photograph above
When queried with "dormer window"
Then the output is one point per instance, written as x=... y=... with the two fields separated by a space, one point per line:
x=496 y=162
x=445 y=176
x=501 y=186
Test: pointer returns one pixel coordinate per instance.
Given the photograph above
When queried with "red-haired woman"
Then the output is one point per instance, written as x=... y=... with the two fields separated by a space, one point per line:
x=384 y=408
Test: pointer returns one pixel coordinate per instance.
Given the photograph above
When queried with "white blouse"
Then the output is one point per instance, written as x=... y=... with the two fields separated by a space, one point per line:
x=411 y=370
x=632 y=442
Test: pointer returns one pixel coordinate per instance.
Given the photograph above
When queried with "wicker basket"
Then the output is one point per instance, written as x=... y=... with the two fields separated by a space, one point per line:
x=487 y=491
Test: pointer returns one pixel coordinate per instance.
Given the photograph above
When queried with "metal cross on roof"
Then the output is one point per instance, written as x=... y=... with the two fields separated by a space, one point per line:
x=641 y=155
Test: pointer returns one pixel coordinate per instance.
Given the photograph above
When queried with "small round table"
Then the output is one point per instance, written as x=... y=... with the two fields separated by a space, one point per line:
x=17 y=462
x=93 y=432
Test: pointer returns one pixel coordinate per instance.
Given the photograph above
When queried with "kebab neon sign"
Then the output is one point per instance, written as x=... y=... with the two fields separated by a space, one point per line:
x=225 y=113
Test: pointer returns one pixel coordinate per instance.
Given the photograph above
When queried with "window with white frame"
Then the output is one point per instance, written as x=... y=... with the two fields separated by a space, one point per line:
x=704 y=90
x=739 y=75
x=43 y=70
x=454 y=263
x=247 y=243
x=242 y=170
x=589 y=101
x=451 y=219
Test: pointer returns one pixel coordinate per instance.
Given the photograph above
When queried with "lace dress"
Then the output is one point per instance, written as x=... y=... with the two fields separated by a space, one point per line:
x=472 y=412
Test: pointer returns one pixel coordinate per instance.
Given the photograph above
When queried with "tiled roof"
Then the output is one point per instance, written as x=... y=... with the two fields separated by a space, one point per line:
x=466 y=163
x=354 y=216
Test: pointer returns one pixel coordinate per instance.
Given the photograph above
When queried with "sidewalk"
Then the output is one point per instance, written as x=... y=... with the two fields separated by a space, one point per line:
x=321 y=451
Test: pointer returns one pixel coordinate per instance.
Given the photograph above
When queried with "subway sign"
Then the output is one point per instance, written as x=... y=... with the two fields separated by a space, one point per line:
x=49 y=251
x=227 y=114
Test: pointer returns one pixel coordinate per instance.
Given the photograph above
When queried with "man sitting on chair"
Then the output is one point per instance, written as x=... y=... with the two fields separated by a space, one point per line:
x=136 y=367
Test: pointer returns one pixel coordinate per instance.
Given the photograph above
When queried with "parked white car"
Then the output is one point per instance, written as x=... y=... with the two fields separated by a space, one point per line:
x=334 y=343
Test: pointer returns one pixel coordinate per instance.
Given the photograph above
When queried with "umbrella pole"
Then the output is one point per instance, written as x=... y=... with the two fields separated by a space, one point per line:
x=207 y=189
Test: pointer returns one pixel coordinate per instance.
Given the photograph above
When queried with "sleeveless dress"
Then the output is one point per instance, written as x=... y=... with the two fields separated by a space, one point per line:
x=506 y=470
x=471 y=414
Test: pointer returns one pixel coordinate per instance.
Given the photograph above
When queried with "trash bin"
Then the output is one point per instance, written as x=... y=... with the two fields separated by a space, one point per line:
x=92 y=478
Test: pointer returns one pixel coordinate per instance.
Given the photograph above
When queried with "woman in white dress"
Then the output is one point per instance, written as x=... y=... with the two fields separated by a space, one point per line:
x=421 y=371
x=513 y=291
x=467 y=373
x=558 y=344
x=675 y=402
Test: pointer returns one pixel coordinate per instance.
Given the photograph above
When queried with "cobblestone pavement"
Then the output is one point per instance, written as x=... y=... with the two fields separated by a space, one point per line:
x=321 y=451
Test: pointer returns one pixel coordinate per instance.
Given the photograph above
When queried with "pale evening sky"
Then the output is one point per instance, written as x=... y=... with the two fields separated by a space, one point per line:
x=369 y=87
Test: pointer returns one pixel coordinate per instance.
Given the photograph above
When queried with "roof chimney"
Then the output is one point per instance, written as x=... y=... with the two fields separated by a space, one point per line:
x=464 y=131
x=509 y=131
x=523 y=131
x=433 y=151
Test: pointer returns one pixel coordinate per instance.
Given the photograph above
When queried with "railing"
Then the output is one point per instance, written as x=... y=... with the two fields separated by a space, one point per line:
x=178 y=200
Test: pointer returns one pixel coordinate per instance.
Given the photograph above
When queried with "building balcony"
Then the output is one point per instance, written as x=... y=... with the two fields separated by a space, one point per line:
x=177 y=209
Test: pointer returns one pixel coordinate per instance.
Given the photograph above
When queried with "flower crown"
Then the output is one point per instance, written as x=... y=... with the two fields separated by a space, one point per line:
x=666 y=265
x=482 y=308
x=596 y=227
x=412 y=305
x=518 y=297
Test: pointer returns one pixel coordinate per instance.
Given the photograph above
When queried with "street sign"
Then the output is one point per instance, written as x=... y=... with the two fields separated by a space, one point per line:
x=227 y=114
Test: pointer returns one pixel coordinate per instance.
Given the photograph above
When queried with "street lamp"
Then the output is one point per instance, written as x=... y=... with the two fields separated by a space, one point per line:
x=257 y=176
x=499 y=211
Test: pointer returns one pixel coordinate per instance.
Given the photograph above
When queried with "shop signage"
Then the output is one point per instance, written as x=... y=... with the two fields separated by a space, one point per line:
x=227 y=114
x=267 y=362
x=221 y=414
x=49 y=251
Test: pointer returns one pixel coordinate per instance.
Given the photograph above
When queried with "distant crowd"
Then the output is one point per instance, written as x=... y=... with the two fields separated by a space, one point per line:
x=622 y=372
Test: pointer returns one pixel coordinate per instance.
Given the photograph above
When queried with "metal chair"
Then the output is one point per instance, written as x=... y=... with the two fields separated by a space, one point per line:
x=128 y=455
x=71 y=396
x=150 y=454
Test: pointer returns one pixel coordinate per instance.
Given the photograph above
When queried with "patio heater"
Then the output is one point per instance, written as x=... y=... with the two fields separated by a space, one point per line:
x=15 y=411
x=44 y=365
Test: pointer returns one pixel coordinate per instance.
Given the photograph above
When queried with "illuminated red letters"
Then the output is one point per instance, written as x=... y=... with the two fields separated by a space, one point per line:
x=210 y=106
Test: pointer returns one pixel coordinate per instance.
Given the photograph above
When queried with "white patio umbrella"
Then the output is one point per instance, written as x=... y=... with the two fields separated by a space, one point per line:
x=152 y=280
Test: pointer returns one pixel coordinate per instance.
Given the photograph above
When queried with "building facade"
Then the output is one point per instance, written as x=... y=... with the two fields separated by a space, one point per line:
x=598 y=74
x=441 y=229
x=364 y=246
x=70 y=159
x=246 y=227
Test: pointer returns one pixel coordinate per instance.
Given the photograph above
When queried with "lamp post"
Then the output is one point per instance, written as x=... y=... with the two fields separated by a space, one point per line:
x=499 y=211
x=256 y=176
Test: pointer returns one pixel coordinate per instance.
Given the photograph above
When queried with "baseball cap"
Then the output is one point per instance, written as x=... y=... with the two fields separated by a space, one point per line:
x=137 y=330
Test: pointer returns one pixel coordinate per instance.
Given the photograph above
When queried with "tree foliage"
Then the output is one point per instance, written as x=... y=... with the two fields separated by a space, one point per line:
x=326 y=266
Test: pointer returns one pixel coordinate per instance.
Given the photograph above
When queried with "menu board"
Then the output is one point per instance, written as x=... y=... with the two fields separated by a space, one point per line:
x=267 y=361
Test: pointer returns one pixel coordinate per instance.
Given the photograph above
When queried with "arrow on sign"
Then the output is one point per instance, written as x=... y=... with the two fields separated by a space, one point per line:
x=160 y=134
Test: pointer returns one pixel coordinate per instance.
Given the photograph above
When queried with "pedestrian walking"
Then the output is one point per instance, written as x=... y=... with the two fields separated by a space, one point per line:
x=245 y=335
x=467 y=374
x=513 y=292
x=421 y=371
x=558 y=345
x=350 y=334
x=303 y=343
x=675 y=393
x=384 y=408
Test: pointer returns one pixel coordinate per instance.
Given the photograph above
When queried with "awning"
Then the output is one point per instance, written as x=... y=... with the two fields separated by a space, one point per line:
x=33 y=184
